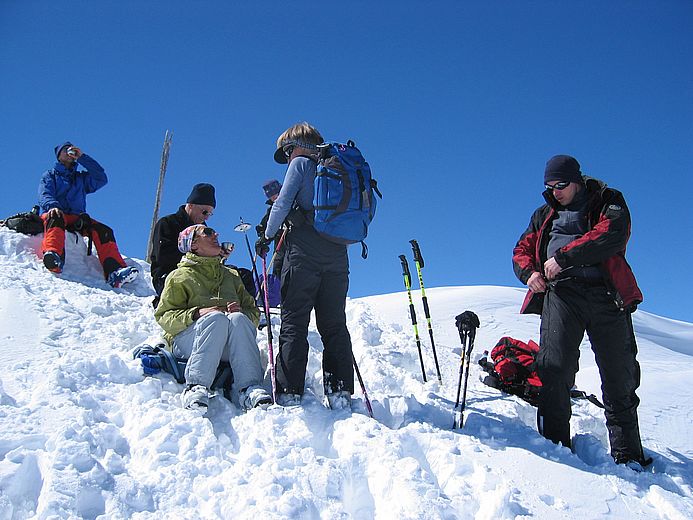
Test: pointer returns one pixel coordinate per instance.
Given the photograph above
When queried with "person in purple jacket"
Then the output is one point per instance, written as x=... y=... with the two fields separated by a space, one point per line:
x=63 y=204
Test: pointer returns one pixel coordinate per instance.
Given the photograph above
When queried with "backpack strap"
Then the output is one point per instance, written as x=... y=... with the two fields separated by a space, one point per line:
x=171 y=365
x=168 y=360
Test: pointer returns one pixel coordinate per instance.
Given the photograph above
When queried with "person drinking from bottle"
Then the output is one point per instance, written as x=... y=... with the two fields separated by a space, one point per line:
x=572 y=258
x=62 y=197
x=207 y=317
x=315 y=275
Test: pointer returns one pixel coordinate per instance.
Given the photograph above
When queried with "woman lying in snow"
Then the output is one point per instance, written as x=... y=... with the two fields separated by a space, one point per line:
x=208 y=316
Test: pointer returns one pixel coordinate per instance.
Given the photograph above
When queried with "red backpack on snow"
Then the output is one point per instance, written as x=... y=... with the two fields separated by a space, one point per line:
x=513 y=366
x=511 y=370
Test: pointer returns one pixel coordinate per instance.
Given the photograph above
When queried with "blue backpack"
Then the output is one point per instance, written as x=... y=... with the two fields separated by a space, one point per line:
x=344 y=199
x=157 y=359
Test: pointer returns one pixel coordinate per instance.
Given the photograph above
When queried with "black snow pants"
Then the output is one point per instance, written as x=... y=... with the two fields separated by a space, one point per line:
x=572 y=307
x=315 y=275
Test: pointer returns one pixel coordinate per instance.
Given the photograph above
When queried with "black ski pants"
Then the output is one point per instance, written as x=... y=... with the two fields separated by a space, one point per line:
x=572 y=307
x=315 y=275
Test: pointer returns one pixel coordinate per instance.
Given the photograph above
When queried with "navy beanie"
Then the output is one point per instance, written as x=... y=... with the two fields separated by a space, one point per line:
x=562 y=168
x=59 y=148
x=202 y=194
x=271 y=188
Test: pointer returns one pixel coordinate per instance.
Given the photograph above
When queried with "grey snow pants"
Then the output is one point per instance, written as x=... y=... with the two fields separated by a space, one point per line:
x=219 y=337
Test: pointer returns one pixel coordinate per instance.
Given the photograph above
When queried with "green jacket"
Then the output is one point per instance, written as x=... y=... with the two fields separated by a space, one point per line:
x=200 y=282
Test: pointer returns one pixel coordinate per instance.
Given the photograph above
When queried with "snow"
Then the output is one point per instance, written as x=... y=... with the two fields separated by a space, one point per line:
x=85 y=435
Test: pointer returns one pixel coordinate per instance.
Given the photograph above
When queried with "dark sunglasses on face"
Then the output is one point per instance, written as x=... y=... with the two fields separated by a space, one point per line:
x=561 y=185
x=206 y=212
x=288 y=150
x=208 y=232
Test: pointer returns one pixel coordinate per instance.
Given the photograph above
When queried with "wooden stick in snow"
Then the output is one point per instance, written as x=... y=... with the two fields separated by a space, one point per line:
x=162 y=173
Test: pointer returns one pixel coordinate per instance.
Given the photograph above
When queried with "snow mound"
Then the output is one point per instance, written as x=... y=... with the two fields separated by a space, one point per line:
x=86 y=435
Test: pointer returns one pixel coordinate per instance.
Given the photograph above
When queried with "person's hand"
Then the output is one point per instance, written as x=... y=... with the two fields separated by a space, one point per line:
x=233 y=307
x=226 y=250
x=262 y=246
x=551 y=268
x=536 y=283
x=55 y=213
x=206 y=310
x=74 y=152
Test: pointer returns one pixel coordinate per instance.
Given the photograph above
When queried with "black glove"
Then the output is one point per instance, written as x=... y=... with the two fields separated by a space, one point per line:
x=260 y=229
x=83 y=222
x=262 y=246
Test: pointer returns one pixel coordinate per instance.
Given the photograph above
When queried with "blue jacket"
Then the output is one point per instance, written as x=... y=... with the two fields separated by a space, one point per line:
x=67 y=189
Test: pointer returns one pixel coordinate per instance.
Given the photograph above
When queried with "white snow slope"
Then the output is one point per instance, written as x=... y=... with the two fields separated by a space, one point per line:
x=85 y=435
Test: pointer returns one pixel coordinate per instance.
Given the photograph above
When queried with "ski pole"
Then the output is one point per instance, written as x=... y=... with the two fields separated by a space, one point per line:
x=412 y=312
x=270 y=350
x=466 y=324
x=418 y=260
x=278 y=247
x=271 y=262
x=243 y=227
x=363 y=387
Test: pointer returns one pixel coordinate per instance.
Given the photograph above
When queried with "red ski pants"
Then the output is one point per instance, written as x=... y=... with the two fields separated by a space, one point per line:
x=101 y=235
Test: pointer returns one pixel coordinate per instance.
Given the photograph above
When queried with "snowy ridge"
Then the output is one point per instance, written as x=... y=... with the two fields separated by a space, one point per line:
x=85 y=435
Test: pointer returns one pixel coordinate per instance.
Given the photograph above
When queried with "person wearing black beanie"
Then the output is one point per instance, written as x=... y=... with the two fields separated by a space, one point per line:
x=572 y=258
x=164 y=253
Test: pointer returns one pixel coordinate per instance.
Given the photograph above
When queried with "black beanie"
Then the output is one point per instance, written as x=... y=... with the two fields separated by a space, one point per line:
x=202 y=194
x=562 y=168
x=59 y=148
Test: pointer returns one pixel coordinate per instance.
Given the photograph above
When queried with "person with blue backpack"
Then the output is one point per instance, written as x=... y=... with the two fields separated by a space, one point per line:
x=315 y=275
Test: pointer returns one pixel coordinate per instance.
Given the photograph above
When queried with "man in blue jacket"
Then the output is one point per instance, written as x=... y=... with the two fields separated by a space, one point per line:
x=63 y=201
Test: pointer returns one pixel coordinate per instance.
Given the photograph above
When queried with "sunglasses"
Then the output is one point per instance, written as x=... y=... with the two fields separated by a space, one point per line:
x=208 y=232
x=288 y=150
x=206 y=212
x=561 y=185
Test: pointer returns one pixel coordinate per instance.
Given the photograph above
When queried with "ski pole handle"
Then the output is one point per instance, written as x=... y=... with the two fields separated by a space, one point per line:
x=468 y=322
x=405 y=268
x=417 y=253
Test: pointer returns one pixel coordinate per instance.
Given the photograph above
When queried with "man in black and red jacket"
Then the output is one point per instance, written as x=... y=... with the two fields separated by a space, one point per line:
x=572 y=258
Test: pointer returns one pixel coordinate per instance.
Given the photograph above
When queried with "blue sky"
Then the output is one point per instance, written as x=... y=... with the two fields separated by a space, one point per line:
x=456 y=105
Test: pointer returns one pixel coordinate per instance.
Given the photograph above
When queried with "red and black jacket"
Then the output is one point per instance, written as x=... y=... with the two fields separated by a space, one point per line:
x=604 y=245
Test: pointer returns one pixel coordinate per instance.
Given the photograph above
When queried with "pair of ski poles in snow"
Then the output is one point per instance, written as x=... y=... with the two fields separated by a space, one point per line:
x=243 y=227
x=466 y=324
x=419 y=262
